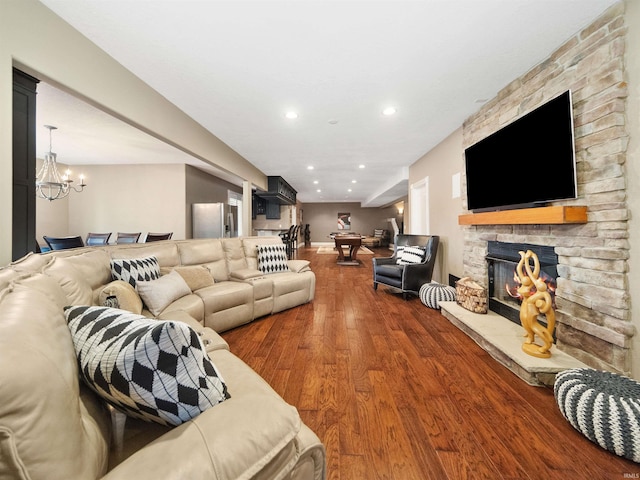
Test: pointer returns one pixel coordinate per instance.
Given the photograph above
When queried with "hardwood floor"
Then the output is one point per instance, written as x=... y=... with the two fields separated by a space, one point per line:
x=395 y=391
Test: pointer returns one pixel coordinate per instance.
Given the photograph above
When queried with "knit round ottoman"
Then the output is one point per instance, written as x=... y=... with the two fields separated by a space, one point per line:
x=431 y=294
x=604 y=407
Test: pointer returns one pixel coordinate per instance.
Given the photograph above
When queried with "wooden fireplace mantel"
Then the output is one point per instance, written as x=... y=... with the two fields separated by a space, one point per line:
x=555 y=215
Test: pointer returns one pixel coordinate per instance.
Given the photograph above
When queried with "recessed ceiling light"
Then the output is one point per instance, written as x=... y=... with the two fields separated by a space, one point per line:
x=310 y=167
x=354 y=181
x=315 y=182
x=291 y=115
x=360 y=166
x=318 y=190
x=389 y=111
x=348 y=190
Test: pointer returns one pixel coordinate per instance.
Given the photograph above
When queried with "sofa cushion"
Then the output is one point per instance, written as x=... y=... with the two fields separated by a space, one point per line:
x=272 y=258
x=125 y=296
x=250 y=245
x=133 y=269
x=50 y=426
x=71 y=280
x=153 y=370
x=410 y=255
x=234 y=254
x=158 y=294
x=207 y=252
x=196 y=276
x=166 y=252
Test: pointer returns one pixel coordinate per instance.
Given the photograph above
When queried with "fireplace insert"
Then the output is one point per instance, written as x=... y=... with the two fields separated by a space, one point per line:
x=502 y=259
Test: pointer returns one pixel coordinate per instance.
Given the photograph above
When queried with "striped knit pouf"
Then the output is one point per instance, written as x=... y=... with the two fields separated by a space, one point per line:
x=433 y=293
x=604 y=407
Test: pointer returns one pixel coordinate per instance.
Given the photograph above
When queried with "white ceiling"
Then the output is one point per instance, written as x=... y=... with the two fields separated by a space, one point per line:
x=238 y=66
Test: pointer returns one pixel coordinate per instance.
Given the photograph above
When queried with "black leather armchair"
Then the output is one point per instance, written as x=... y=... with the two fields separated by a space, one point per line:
x=407 y=278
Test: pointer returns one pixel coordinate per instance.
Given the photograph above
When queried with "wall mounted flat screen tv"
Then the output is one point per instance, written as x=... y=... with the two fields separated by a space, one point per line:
x=528 y=163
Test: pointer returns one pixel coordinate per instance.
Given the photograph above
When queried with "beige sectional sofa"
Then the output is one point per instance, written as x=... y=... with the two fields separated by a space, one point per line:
x=53 y=426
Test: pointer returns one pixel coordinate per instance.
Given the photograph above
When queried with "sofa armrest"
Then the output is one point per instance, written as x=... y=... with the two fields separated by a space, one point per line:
x=235 y=439
x=210 y=338
x=299 y=266
x=417 y=274
x=384 y=261
x=245 y=274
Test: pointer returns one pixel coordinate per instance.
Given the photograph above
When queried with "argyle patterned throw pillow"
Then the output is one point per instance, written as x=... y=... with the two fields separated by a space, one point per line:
x=133 y=269
x=272 y=258
x=154 y=370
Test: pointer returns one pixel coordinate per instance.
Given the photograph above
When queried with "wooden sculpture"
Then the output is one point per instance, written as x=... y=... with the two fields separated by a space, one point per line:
x=536 y=300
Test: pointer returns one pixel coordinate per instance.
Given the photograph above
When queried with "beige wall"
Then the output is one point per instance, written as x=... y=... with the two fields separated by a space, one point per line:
x=633 y=171
x=204 y=188
x=440 y=164
x=35 y=40
x=131 y=198
x=323 y=218
x=125 y=198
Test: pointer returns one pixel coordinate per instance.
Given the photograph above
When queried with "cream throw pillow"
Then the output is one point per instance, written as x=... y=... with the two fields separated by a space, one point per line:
x=126 y=296
x=158 y=294
x=196 y=276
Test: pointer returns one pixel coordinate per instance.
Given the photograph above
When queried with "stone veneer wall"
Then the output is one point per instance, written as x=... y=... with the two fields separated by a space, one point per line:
x=593 y=300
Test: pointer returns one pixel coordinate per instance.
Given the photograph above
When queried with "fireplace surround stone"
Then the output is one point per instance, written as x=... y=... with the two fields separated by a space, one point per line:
x=592 y=297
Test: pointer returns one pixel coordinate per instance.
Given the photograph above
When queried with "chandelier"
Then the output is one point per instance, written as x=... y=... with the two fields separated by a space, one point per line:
x=50 y=185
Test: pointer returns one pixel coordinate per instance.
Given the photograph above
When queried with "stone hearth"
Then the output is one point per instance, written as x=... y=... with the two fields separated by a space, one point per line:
x=502 y=339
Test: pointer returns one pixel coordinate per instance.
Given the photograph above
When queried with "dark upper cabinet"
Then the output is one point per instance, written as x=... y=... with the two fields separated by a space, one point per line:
x=273 y=211
x=279 y=191
x=24 y=164
x=261 y=205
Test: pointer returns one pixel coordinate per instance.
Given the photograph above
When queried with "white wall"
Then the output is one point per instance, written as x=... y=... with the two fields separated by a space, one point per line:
x=440 y=164
x=38 y=42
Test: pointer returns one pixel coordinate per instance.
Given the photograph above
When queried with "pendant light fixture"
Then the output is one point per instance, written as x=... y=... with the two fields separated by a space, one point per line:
x=50 y=185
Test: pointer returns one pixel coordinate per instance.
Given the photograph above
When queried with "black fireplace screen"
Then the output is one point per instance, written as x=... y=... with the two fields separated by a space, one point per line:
x=502 y=259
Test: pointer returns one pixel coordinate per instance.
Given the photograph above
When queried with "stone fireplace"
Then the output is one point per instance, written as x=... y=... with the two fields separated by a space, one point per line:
x=592 y=297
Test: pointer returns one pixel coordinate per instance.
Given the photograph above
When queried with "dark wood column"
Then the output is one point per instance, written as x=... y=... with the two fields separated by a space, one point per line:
x=24 y=164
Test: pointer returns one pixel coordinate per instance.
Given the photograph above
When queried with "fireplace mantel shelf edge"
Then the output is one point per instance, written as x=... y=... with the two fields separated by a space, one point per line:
x=554 y=215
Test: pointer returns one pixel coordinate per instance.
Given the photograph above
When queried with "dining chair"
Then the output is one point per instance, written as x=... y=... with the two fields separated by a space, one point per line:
x=128 y=237
x=61 y=243
x=97 y=238
x=287 y=239
x=155 y=237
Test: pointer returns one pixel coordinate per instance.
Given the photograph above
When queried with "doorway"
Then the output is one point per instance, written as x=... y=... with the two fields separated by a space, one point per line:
x=419 y=207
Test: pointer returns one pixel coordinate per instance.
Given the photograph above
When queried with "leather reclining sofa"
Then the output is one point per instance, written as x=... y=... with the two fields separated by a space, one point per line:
x=54 y=426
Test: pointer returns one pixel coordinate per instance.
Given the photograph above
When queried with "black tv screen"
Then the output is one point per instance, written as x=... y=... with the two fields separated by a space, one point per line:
x=527 y=163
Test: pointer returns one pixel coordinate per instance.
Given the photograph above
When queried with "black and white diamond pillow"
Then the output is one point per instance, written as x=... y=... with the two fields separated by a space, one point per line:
x=133 y=269
x=154 y=370
x=272 y=258
x=410 y=255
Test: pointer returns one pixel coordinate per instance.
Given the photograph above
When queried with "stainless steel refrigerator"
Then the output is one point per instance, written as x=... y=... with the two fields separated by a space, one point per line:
x=214 y=220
